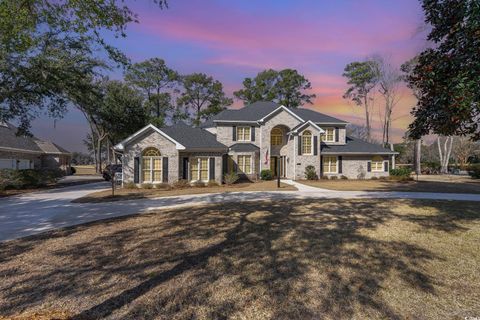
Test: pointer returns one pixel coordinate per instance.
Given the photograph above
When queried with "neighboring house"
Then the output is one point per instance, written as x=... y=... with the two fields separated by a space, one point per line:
x=263 y=135
x=24 y=152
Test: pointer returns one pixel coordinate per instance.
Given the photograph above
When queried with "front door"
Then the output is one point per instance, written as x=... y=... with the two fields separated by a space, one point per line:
x=276 y=163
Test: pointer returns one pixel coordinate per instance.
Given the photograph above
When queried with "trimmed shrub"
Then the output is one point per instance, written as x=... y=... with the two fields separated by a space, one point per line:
x=162 y=186
x=212 y=183
x=333 y=177
x=28 y=178
x=343 y=177
x=266 y=174
x=147 y=186
x=230 y=178
x=310 y=173
x=382 y=178
x=400 y=172
x=181 y=184
x=474 y=171
x=199 y=184
x=129 y=185
x=374 y=178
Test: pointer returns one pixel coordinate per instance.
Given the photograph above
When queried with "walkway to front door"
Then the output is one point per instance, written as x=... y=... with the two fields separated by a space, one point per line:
x=278 y=162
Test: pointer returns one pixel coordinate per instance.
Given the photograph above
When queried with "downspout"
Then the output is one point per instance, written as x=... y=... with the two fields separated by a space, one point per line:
x=295 y=157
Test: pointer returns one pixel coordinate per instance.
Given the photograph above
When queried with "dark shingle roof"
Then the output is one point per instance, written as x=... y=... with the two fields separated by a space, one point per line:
x=192 y=137
x=317 y=117
x=244 y=147
x=9 y=139
x=260 y=109
x=355 y=145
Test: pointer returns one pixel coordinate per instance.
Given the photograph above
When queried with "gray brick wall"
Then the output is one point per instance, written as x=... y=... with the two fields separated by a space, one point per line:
x=342 y=135
x=355 y=167
x=225 y=134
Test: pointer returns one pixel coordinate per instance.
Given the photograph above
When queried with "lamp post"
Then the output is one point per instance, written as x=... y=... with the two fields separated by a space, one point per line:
x=277 y=164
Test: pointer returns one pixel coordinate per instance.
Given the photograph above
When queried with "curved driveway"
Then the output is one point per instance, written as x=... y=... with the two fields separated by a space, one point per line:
x=33 y=213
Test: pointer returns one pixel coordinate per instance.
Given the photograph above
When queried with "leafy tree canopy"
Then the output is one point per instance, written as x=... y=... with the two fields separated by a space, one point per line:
x=48 y=49
x=286 y=87
x=446 y=77
x=202 y=97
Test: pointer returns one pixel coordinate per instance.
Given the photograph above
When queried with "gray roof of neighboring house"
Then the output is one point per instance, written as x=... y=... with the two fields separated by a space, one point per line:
x=10 y=140
x=192 y=137
x=244 y=147
x=355 y=145
x=260 y=109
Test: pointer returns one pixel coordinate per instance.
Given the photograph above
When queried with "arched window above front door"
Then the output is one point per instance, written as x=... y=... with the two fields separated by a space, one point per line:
x=276 y=137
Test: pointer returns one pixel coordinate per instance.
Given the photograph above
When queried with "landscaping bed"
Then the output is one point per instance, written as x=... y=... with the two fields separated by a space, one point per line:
x=463 y=186
x=166 y=191
x=294 y=259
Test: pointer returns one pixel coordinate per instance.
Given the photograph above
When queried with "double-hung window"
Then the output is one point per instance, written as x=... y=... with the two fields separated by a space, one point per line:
x=329 y=135
x=377 y=164
x=199 y=169
x=244 y=134
x=245 y=164
x=307 y=142
x=276 y=137
x=330 y=164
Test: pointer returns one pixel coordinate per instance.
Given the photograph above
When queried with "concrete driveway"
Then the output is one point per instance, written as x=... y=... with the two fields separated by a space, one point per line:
x=33 y=213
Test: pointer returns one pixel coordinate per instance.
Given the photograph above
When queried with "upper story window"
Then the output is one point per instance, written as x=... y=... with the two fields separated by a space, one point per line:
x=307 y=142
x=276 y=137
x=377 y=163
x=329 y=135
x=244 y=134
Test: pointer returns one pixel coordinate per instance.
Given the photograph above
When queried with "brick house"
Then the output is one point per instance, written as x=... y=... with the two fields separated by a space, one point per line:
x=263 y=135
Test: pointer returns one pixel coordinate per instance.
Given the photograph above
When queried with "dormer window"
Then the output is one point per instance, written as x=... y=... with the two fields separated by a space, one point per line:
x=329 y=135
x=243 y=134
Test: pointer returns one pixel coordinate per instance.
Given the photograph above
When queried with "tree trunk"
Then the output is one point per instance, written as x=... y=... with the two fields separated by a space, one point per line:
x=444 y=155
x=367 y=119
x=418 y=154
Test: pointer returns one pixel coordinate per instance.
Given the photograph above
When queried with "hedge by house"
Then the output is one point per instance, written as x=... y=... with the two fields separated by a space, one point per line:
x=29 y=178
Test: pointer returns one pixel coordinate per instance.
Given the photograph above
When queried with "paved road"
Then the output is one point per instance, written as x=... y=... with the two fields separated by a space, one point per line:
x=33 y=213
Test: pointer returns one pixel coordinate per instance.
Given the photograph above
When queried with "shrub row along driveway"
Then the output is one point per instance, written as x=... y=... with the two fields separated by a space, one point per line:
x=37 y=212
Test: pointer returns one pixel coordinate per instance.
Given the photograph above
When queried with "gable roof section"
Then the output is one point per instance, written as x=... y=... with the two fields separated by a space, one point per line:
x=11 y=142
x=184 y=136
x=244 y=147
x=193 y=138
x=260 y=110
x=355 y=146
x=316 y=117
x=303 y=125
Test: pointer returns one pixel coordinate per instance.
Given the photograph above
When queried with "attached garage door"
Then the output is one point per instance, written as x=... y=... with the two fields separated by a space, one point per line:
x=7 y=164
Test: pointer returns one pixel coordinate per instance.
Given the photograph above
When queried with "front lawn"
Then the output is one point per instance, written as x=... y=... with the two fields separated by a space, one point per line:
x=131 y=194
x=464 y=186
x=295 y=259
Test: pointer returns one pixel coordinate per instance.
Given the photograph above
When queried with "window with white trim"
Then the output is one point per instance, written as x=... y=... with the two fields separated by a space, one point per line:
x=276 y=137
x=244 y=134
x=307 y=142
x=151 y=165
x=245 y=164
x=330 y=164
x=199 y=169
x=329 y=135
x=377 y=164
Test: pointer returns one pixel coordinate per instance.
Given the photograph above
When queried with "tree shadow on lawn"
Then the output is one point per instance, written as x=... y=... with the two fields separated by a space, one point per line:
x=287 y=259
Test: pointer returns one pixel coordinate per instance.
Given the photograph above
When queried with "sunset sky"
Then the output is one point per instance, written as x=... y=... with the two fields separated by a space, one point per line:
x=231 y=40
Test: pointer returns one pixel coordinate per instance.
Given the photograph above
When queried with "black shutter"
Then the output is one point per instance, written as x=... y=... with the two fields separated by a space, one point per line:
x=165 y=169
x=234 y=133
x=315 y=145
x=299 y=145
x=225 y=163
x=336 y=134
x=185 y=169
x=385 y=165
x=212 y=169
x=321 y=166
x=369 y=166
x=136 y=170
x=339 y=164
x=252 y=130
